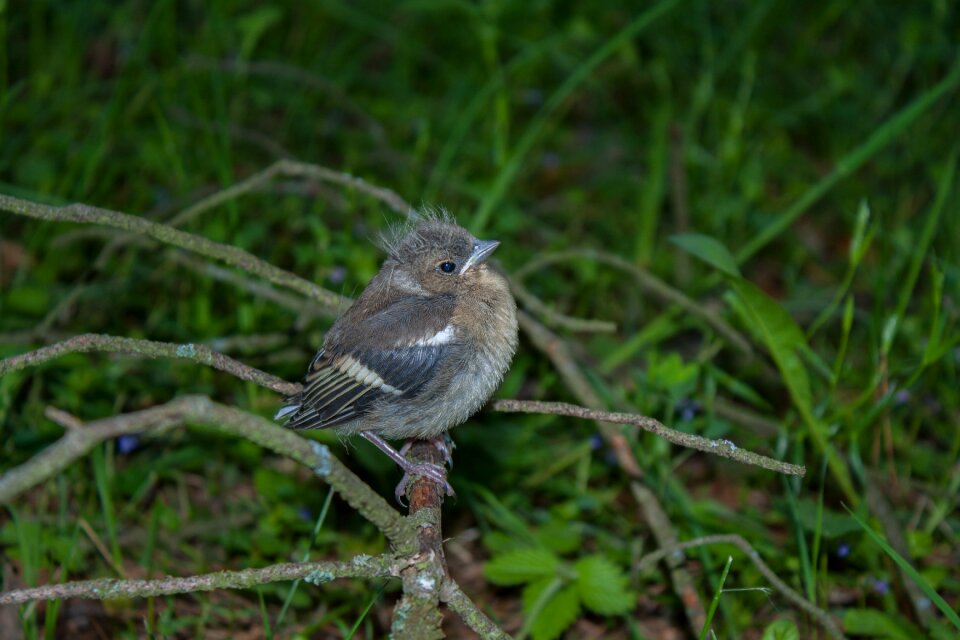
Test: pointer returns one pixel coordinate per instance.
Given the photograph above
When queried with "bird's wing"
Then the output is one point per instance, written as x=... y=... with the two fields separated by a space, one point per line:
x=390 y=355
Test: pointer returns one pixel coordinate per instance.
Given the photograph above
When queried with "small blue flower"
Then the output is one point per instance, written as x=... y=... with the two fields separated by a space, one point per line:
x=843 y=550
x=880 y=586
x=337 y=275
x=304 y=513
x=901 y=397
x=127 y=444
x=688 y=409
x=596 y=441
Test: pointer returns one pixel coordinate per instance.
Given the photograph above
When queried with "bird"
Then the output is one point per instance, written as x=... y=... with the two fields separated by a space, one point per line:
x=422 y=348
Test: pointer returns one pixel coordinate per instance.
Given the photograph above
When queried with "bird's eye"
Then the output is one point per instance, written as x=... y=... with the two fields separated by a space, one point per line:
x=448 y=267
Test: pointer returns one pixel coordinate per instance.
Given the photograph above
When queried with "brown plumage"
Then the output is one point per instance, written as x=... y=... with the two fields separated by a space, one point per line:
x=420 y=351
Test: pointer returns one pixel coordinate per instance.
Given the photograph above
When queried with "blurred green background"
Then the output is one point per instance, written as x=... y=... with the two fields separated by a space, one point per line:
x=817 y=143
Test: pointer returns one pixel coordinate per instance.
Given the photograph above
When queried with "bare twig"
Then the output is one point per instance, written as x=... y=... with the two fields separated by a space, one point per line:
x=293 y=169
x=150 y=349
x=231 y=255
x=304 y=310
x=722 y=448
x=821 y=616
x=555 y=318
x=649 y=283
x=666 y=537
x=110 y=589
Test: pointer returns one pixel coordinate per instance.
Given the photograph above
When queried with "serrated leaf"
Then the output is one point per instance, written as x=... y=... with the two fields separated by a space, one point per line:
x=708 y=249
x=557 y=614
x=603 y=586
x=558 y=536
x=781 y=630
x=877 y=624
x=521 y=565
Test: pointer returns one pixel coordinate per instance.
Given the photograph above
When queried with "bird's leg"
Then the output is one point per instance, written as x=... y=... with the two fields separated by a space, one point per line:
x=444 y=445
x=434 y=472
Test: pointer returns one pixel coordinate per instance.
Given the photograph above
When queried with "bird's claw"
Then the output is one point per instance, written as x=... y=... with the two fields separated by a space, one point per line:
x=433 y=472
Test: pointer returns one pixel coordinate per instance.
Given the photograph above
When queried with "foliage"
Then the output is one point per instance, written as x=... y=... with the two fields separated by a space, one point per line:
x=790 y=168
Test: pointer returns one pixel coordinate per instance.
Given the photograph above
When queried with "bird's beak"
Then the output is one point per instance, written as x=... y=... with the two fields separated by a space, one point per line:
x=481 y=251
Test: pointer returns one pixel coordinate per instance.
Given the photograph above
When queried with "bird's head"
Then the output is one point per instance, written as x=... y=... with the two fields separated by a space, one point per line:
x=441 y=256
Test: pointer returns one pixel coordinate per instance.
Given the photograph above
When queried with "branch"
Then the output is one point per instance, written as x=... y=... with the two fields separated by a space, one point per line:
x=666 y=537
x=201 y=410
x=109 y=588
x=233 y=256
x=474 y=618
x=555 y=318
x=417 y=615
x=649 y=283
x=199 y=353
x=722 y=448
x=293 y=169
x=821 y=616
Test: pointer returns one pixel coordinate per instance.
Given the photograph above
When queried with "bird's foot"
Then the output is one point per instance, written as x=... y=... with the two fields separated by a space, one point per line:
x=433 y=472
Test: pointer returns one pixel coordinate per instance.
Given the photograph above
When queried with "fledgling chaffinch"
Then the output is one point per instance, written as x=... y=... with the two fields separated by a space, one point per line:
x=420 y=351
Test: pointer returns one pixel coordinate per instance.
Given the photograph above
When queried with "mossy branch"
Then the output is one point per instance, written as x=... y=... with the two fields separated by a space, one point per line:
x=110 y=589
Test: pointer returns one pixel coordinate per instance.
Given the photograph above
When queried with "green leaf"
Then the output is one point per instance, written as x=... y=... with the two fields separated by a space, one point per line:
x=521 y=565
x=877 y=624
x=558 y=613
x=781 y=630
x=559 y=536
x=709 y=250
x=907 y=568
x=603 y=586
x=771 y=324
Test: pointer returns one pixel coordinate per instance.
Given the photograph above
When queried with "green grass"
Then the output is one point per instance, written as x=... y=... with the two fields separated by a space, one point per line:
x=815 y=149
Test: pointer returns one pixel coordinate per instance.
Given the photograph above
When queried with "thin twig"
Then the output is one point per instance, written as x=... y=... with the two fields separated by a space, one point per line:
x=722 y=448
x=649 y=283
x=304 y=310
x=823 y=617
x=231 y=255
x=555 y=318
x=150 y=349
x=294 y=169
x=110 y=589
x=666 y=537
